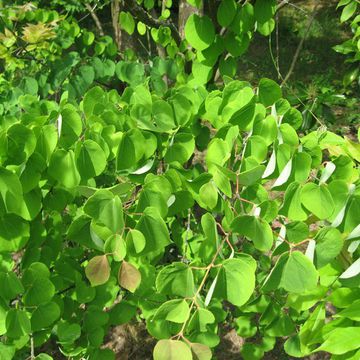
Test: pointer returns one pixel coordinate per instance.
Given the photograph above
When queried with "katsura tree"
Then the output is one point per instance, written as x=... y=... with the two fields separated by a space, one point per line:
x=167 y=192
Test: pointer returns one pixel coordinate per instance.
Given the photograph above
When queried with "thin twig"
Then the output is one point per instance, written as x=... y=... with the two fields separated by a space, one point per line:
x=180 y=334
x=300 y=46
x=32 y=348
x=95 y=18
x=142 y=15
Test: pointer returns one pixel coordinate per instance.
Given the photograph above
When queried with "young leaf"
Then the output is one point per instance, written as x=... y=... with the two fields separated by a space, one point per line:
x=98 y=270
x=129 y=276
x=115 y=245
x=127 y=22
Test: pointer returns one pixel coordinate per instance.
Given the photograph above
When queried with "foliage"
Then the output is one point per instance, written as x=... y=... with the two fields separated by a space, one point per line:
x=179 y=200
x=351 y=47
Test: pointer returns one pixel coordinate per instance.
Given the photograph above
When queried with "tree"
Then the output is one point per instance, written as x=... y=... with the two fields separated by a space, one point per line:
x=161 y=187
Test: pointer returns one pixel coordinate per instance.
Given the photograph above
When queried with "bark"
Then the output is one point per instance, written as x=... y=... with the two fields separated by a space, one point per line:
x=115 y=11
x=141 y=14
x=185 y=10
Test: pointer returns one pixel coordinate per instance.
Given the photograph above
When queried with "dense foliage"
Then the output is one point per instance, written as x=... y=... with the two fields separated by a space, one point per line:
x=160 y=188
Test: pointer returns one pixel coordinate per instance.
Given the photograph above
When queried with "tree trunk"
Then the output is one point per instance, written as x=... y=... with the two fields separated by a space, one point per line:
x=185 y=10
x=115 y=11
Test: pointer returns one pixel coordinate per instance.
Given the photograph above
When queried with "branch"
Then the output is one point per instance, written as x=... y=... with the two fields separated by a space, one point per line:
x=95 y=18
x=147 y=19
x=300 y=46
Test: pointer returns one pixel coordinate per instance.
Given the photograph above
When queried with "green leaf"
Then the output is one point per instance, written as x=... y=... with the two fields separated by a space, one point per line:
x=116 y=246
x=141 y=28
x=162 y=117
x=209 y=195
x=98 y=270
x=176 y=279
x=273 y=280
x=21 y=143
x=176 y=311
x=255 y=229
x=296 y=231
x=46 y=141
x=131 y=150
x=312 y=327
x=218 y=153
x=154 y=229
x=318 y=200
x=299 y=274
x=14 y=233
x=348 y=11
x=329 y=244
x=199 y=31
x=90 y=159
x=264 y=10
x=181 y=148
x=106 y=208
x=200 y=320
x=93 y=97
x=70 y=127
x=292 y=206
x=172 y=350
x=68 y=332
x=43 y=356
x=127 y=22
x=341 y=340
x=351 y=312
x=44 y=316
x=122 y=313
x=236 y=280
x=135 y=241
x=40 y=291
x=17 y=323
x=129 y=276
x=226 y=12
x=269 y=90
x=10 y=191
x=10 y=286
x=63 y=168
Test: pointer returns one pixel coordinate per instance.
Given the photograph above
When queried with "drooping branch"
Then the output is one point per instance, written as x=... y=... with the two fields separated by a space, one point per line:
x=139 y=13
